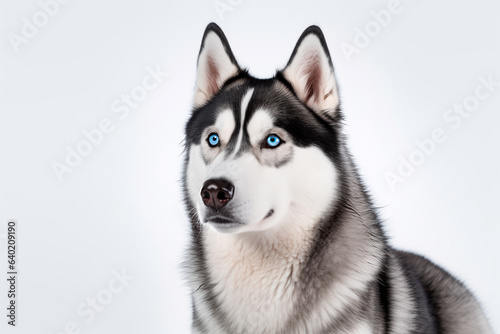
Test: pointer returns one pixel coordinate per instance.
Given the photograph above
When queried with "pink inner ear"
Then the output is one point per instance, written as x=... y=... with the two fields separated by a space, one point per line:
x=212 y=76
x=313 y=75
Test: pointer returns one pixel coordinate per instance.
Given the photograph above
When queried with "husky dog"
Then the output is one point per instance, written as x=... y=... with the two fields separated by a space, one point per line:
x=284 y=237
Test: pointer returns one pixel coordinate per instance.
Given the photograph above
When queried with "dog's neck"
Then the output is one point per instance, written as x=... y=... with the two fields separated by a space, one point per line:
x=261 y=246
x=255 y=278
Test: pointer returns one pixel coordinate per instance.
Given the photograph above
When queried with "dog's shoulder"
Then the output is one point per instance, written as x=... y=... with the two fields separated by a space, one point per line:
x=442 y=296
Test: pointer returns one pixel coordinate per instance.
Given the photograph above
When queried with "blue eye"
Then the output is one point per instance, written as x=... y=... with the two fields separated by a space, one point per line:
x=273 y=141
x=213 y=139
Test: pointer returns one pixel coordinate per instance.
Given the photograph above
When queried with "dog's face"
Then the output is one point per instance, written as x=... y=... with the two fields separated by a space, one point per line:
x=261 y=153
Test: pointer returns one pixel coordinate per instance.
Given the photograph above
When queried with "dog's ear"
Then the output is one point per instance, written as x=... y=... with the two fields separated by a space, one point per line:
x=310 y=72
x=216 y=64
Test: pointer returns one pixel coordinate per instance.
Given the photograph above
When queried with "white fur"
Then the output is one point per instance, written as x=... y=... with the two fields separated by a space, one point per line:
x=243 y=110
x=255 y=280
x=402 y=302
x=225 y=124
x=362 y=328
x=259 y=125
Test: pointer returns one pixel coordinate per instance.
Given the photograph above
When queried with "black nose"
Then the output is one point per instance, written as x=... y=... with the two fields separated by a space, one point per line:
x=217 y=193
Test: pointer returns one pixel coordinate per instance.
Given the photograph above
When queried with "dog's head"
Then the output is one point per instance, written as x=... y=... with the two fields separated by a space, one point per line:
x=262 y=154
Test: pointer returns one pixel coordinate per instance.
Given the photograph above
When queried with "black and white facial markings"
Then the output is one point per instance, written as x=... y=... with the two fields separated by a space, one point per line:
x=272 y=140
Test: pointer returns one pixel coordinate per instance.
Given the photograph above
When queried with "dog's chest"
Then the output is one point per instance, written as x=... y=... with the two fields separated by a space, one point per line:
x=255 y=286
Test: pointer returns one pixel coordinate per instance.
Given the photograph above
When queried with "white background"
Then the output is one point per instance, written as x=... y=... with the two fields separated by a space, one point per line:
x=120 y=208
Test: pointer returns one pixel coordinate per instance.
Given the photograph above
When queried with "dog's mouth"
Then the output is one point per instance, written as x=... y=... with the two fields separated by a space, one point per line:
x=224 y=223
x=220 y=219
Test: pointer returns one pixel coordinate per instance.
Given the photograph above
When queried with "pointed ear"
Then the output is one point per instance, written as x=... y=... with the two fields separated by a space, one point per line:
x=216 y=64
x=310 y=72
